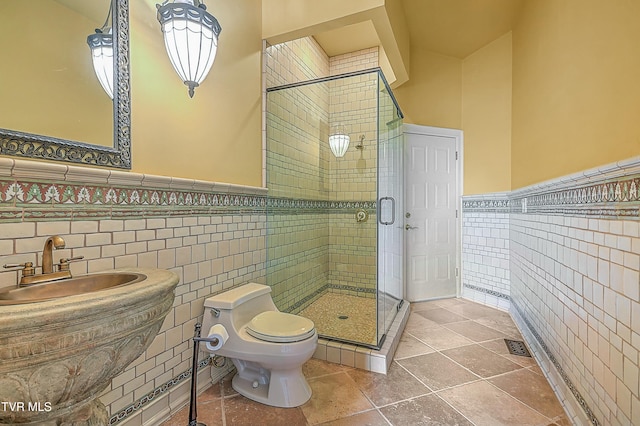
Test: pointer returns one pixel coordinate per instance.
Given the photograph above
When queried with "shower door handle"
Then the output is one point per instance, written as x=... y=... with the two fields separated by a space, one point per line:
x=393 y=211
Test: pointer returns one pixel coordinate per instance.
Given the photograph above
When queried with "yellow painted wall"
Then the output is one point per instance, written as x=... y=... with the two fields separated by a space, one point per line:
x=47 y=83
x=433 y=94
x=576 y=87
x=216 y=135
x=486 y=118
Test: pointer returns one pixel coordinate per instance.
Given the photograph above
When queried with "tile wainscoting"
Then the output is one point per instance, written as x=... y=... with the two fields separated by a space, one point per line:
x=564 y=258
x=485 y=250
x=211 y=234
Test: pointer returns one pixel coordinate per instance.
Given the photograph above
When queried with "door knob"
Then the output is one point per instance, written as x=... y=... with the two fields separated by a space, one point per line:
x=408 y=227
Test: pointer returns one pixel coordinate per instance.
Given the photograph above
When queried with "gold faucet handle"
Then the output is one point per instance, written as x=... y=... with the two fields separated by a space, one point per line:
x=64 y=263
x=27 y=268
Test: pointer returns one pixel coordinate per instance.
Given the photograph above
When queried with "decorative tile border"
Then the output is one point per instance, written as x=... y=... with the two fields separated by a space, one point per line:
x=487 y=291
x=45 y=192
x=611 y=191
x=495 y=203
x=29 y=185
x=148 y=398
x=29 y=194
x=280 y=204
x=39 y=200
x=598 y=195
x=616 y=198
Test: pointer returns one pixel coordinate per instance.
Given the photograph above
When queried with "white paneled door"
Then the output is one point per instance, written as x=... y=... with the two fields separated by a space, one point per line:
x=432 y=203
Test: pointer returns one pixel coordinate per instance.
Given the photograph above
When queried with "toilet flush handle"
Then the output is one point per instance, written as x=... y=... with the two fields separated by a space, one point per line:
x=215 y=312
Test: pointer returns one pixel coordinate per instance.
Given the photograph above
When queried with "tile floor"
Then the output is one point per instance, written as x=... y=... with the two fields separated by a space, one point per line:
x=343 y=316
x=452 y=367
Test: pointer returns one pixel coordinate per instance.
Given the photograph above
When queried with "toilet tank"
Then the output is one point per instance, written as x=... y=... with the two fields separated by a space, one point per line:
x=241 y=304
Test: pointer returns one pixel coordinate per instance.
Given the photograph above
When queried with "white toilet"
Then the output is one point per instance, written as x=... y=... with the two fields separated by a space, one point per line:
x=268 y=347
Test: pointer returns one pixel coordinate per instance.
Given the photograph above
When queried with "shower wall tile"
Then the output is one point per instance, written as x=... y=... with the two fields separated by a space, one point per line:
x=354 y=61
x=294 y=61
x=297 y=258
x=352 y=255
x=307 y=252
x=297 y=162
x=353 y=104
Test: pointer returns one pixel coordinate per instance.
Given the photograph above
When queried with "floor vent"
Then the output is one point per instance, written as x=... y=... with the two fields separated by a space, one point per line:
x=517 y=347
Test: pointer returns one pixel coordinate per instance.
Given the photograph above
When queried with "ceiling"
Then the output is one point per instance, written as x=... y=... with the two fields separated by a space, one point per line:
x=454 y=28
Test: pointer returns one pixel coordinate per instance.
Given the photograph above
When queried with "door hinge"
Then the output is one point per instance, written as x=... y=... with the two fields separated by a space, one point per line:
x=456 y=155
x=456 y=272
x=456 y=213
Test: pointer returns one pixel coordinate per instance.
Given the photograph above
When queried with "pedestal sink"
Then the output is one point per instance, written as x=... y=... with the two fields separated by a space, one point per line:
x=62 y=342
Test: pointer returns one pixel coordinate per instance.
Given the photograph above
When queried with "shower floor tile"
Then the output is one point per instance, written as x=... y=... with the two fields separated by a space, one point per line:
x=344 y=317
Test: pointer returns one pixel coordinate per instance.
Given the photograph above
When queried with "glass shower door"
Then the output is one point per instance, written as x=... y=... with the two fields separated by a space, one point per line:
x=390 y=207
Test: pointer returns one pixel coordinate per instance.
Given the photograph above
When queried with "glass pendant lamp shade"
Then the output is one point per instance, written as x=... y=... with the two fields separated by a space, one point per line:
x=339 y=142
x=101 y=45
x=191 y=39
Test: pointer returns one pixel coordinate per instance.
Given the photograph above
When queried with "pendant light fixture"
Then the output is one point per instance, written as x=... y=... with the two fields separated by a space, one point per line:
x=101 y=45
x=339 y=141
x=190 y=37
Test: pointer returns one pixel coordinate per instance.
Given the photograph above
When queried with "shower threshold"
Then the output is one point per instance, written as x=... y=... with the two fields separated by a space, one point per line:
x=361 y=356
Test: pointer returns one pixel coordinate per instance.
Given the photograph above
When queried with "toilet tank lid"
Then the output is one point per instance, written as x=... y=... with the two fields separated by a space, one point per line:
x=231 y=298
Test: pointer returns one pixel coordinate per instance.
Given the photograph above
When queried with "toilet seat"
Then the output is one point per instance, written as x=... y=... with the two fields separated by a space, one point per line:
x=280 y=327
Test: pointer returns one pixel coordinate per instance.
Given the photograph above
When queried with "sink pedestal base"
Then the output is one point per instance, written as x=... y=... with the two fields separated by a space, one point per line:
x=58 y=355
x=92 y=414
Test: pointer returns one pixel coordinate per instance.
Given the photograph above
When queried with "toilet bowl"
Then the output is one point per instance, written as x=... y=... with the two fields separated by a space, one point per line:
x=267 y=347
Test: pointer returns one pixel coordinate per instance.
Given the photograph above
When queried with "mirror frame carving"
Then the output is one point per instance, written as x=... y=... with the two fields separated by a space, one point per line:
x=21 y=144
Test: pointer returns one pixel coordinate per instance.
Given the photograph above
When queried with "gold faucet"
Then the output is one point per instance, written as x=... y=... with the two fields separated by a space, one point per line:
x=48 y=274
x=47 y=253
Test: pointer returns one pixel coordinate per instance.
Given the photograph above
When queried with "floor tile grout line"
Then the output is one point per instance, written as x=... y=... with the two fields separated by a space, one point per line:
x=223 y=413
x=384 y=417
x=520 y=401
x=426 y=344
x=413 y=375
x=455 y=408
x=435 y=391
x=429 y=391
x=456 y=362
x=406 y=400
x=509 y=359
x=453 y=360
x=482 y=325
x=486 y=379
x=438 y=350
x=480 y=378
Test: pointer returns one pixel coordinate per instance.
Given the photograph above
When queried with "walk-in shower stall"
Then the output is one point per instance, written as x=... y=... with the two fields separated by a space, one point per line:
x=334 y=225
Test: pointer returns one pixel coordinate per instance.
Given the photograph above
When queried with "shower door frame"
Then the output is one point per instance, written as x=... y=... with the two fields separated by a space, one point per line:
x=390 y=194
x=381 y=85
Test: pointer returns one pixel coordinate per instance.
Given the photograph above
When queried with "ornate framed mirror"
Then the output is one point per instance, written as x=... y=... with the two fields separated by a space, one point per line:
x=78 y=123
